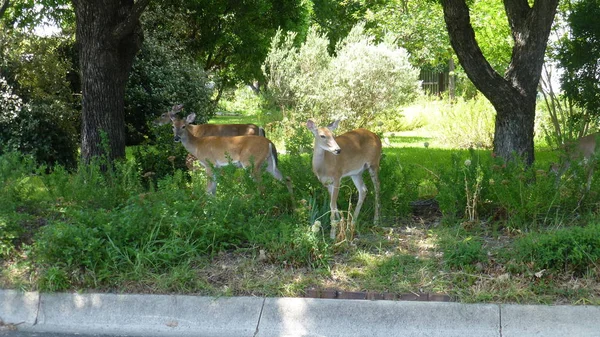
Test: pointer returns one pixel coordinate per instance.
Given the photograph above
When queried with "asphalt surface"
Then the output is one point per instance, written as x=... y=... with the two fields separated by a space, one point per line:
x=177 y=315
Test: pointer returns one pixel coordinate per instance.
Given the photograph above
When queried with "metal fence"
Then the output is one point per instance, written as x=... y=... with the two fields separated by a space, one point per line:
x=434 y=82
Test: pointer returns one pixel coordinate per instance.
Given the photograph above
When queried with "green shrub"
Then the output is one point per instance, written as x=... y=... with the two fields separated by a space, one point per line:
x=571 y=250
x=481 y=187
x=525 y=198
x=161 y=77
x=46 y=131
x=10 y=105
x=11 y=230
x=463 y=253
x=160 y=158
x=38 y=108
x=397 y=189
x=73 y=251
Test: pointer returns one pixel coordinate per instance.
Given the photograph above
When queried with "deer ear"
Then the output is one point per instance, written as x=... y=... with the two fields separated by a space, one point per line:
x=177 y=107
x=172 y=115
x=333 y=125
x=190 y=118
x=310 y=124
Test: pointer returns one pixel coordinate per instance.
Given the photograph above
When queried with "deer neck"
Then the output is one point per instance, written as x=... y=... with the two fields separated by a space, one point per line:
x=318 y=162
x=191 y=143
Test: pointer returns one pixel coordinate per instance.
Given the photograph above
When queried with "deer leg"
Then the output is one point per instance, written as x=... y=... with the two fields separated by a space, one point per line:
x=257 y=176
x=590 y=175
x=211 y=184
x=375 y=178
x=362 y=194
x=335 y=217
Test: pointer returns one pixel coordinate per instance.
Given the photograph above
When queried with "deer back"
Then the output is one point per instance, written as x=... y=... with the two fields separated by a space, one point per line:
x=219 y=150
x=225 y=130
x=360 y=149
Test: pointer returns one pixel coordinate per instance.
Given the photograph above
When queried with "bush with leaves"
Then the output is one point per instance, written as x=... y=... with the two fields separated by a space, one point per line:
x=162 y=77
x=10 y=106
x=364 y=79
x=571 y=249
x=367 y=78
x=578 y=54
x=47 y=131
x=38 y=109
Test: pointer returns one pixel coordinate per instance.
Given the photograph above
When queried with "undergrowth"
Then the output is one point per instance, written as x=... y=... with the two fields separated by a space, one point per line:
x=506 y=233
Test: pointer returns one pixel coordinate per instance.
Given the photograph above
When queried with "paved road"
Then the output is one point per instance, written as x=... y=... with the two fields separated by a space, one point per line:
x=176 y=315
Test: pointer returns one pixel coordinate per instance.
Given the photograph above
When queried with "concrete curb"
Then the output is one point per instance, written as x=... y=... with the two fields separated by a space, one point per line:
x=323 y=317
x=149 y=315
x=179 y=315
x=550 y=321
x=19 y=308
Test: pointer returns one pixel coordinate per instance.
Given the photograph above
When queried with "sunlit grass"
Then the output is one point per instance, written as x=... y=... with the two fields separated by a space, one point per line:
x=234 y=119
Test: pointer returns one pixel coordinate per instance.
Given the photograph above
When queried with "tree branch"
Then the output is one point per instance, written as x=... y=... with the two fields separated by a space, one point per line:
x=4 y=7
x=516 y=11
x=462 y=38
x=128 y=24
x=530 y=28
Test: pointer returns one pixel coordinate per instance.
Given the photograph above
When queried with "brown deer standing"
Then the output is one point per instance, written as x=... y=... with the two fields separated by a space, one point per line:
x=582 y=151
x=347 y=155
x=205 y=130
x=217 y=151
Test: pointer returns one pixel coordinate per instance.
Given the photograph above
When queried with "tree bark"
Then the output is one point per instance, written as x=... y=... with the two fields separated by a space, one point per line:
x=3 y=7
x=108 y=36
x=514 y=94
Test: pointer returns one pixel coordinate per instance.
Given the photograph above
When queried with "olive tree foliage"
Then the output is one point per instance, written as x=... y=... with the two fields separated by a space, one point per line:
x=364 y=79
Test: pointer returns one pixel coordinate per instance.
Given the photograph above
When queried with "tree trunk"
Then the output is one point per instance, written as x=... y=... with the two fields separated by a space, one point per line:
x=108 y=36
x=3 y=7
x=514 y=94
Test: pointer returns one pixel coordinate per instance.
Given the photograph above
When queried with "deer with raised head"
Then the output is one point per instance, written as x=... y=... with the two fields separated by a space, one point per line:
x=216 y=151
x=347 y=155
x=205 y=130
x=582 y=151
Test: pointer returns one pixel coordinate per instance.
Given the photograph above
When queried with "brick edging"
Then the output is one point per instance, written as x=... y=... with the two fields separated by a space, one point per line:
x=372 y=295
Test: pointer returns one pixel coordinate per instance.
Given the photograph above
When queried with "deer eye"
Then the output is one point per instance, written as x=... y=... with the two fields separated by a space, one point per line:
x=323 y=136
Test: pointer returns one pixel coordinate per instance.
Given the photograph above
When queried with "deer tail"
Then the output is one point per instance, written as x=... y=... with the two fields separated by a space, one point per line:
x=273 y=154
